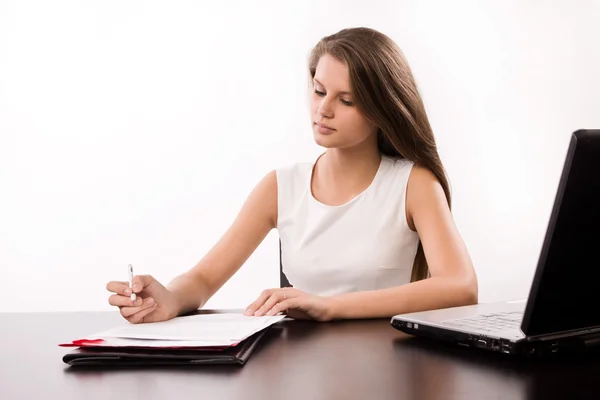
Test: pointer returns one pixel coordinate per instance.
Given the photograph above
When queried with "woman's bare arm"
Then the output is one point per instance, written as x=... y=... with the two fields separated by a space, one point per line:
x=257 y=217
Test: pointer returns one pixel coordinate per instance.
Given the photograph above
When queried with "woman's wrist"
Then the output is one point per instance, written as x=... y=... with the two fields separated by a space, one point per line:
x=185 y=294
x=332 y=308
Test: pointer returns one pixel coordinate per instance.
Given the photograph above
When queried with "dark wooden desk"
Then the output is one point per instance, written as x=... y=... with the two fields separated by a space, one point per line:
x=297 y=360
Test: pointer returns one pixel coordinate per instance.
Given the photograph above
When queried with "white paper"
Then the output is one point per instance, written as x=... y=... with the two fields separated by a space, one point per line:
x=217 y=329
x=121 y=342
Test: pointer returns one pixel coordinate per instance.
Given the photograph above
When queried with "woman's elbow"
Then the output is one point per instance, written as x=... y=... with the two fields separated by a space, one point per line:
x=465 y=292
x=469 y=292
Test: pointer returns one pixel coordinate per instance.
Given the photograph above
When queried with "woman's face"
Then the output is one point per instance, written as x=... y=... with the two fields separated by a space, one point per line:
x=332 y=105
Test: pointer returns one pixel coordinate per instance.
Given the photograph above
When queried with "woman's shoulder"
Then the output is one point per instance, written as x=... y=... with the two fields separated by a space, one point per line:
x=398 y=162
x=398 y=168
x=293 y=170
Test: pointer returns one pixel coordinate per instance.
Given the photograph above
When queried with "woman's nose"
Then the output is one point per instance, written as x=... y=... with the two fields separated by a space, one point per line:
x=325 y=109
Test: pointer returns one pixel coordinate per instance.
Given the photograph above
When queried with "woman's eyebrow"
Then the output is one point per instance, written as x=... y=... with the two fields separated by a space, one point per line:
x=344 y=92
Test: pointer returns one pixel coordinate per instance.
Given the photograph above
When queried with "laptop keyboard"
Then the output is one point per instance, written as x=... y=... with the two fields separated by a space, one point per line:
x=489 y=322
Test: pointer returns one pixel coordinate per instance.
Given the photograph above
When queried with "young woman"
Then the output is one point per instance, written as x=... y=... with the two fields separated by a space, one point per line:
x=366 y=230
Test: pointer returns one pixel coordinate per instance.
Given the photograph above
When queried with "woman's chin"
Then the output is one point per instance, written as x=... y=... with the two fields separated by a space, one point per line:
x=326 y=141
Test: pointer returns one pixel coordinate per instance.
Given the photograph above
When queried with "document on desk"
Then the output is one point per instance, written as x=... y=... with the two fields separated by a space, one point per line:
x=202 y=330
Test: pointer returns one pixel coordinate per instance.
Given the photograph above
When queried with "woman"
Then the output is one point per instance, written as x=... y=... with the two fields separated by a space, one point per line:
x=366 y=231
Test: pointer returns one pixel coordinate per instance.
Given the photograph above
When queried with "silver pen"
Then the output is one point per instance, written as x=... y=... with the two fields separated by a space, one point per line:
x=131 y=283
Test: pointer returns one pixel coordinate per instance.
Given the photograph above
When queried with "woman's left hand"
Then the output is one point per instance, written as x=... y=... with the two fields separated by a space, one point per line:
x=293 y=302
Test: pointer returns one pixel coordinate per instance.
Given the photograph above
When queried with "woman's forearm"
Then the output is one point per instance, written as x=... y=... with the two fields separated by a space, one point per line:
x=428 y=294
x=190 y=291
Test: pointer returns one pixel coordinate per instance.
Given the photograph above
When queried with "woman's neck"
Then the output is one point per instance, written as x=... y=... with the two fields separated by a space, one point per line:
x=345 y=172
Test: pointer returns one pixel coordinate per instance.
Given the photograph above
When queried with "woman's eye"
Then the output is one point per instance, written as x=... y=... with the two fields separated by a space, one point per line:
x=345 y=102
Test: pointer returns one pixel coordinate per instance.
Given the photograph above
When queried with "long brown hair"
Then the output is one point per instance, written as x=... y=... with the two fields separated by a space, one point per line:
x=385 y=92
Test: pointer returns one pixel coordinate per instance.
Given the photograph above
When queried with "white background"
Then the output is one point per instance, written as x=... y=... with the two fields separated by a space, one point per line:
x=132 y=131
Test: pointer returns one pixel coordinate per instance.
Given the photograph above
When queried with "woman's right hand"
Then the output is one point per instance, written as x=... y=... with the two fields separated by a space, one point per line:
x=153 y=303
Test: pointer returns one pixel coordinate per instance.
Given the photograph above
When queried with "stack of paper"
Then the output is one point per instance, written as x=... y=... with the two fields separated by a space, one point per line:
x=194 y=331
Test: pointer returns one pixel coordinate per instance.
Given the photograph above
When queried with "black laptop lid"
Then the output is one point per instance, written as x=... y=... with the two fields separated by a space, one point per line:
x=565 y=293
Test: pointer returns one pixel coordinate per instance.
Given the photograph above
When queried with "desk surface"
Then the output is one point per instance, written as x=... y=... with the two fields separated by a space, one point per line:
x=365 y=359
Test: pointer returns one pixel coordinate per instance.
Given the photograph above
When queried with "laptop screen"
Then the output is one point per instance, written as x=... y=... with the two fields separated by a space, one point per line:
x=565 y=293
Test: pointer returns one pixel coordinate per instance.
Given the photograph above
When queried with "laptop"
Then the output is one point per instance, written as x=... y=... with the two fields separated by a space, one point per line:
x=562 y=311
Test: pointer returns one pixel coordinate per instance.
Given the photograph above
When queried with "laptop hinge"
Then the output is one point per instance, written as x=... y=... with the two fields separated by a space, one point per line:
x=564 y=334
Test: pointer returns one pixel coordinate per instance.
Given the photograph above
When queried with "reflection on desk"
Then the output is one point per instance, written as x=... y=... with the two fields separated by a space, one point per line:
x=364 y=359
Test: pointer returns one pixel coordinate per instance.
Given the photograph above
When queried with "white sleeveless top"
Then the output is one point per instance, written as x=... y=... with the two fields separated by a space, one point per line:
x=365 y=244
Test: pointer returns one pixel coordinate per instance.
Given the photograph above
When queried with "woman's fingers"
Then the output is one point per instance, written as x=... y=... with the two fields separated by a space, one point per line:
x=271 y=302
x=123 y=301
x=259 y=302
x=130 y=311
x=141 y=282
x=138 y=317
x=118 y=287
x=284 y=305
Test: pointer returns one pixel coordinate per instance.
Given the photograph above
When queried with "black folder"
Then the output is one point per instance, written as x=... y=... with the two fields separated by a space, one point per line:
x=115 y=356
